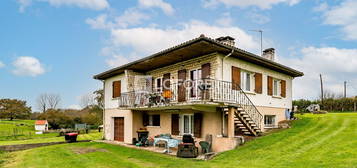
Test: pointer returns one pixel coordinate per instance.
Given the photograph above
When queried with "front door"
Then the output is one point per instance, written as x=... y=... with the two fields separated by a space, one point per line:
x=119 y=129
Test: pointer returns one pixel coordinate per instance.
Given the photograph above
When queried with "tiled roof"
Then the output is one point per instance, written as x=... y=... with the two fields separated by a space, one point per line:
x=41 y=122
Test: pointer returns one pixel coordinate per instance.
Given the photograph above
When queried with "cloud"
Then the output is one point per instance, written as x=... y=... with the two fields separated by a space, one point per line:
x=258 y=18
x=225 y=20
x=343 y=15
x=23 y=4
x=262 y=4
x=335 y=64
x=2 y=64
x=74 y=107
x=165 y=7
x=28 y=66
x=88 y=4
x=148 y=40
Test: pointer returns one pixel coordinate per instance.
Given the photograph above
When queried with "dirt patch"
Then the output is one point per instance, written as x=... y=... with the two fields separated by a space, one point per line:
x=87 y=150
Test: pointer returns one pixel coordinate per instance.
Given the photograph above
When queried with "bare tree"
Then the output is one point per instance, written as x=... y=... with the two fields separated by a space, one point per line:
x=87 y=100
x=42 y=102
x=53 y=100
x=48 y=101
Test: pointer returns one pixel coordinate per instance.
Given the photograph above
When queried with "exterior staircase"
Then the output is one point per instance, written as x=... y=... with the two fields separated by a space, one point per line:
x=244 y=122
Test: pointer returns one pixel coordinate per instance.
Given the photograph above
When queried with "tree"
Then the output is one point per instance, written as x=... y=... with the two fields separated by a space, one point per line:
x=13 y=108
x=99 y=98
x=57 y=119
x=87 y=100
x=48 y=101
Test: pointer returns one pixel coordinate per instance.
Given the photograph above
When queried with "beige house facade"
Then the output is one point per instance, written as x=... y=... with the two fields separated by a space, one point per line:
x=203 y=87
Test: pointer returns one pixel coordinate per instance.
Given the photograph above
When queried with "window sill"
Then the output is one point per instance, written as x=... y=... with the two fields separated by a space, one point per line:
x=277 y=97
x=250 y=92
x=150 y=126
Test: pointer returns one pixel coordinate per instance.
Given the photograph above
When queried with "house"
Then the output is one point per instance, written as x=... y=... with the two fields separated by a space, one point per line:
x=201 y=87
x=41 y=125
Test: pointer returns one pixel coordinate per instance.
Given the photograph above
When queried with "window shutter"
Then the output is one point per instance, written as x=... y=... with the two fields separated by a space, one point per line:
x=166 y=81
x=206 y=70
x=258 y=83
x=283 y=88
x=270 y=85
x=197 y=125
x=116 y=89
x=181 y=87
x=175 y=129
x=235 y=78
x=145 y=119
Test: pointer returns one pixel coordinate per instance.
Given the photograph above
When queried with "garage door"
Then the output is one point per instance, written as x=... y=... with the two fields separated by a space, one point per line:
x=119 y=129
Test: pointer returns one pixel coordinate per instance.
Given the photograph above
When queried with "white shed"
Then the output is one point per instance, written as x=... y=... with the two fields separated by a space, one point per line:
x=41 y=125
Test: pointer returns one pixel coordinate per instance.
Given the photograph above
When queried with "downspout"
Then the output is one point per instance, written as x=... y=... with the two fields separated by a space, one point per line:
x=222 y=70
x=103 y=110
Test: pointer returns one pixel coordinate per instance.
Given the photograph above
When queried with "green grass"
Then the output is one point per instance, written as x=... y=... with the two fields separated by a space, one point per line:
x=314 y=141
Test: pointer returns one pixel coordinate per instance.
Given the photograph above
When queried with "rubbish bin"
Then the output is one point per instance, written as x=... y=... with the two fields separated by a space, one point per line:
x=71 y=137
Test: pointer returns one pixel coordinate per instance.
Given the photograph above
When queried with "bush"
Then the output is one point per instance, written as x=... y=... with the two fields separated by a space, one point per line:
x=330 y=104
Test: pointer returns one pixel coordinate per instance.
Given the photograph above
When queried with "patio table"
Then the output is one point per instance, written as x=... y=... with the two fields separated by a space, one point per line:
x=170 y=143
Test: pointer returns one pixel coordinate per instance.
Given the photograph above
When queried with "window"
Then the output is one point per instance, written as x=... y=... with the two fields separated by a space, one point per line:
x=269 y=120
x=187 y=123
x=247 y=81
x=194 y=76
x=276 y=87
x=158 y=84
x=151 y=120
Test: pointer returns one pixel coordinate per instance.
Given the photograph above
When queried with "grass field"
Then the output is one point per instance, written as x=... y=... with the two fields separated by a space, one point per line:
x=314 y=141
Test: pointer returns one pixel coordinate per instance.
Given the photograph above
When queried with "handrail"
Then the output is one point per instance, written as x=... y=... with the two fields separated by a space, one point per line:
x=196 y=91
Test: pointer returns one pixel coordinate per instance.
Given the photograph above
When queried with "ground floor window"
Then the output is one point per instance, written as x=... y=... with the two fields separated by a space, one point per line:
x=187 y=123
x=151 y=120
x=269 y=120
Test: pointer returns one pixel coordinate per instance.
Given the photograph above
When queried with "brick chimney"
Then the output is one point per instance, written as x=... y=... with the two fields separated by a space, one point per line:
x=228 y=40
x=269 y=54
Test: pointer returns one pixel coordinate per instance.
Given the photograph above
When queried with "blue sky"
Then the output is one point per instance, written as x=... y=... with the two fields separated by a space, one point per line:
x=56 y=46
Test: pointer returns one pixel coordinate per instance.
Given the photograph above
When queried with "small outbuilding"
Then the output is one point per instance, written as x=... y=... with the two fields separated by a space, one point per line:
x=41 y=125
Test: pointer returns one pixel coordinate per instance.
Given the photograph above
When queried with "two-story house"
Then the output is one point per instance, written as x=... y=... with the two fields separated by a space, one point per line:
x=201 y=87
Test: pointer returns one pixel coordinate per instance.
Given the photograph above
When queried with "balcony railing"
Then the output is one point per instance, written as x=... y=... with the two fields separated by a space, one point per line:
x=193 y=92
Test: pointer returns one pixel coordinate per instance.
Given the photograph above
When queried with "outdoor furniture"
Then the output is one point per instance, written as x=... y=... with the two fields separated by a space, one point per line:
x=71 y=137
x=170 y=142
x=142 y=137
x=205 y=146
x=187 y=149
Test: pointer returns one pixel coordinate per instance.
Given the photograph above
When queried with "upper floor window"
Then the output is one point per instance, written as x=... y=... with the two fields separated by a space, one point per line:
x=247 y=80
x=116 y=89
x=276 y=87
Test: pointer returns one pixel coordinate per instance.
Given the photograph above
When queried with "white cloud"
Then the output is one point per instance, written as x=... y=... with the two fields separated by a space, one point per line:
x=88 y=4
x=74 y=107
x=148 y=40
x=258 y=18
x=321 y=7
x=100 y=22
x=225 y=20
x=28 y=66
x=343 y=15
x=2 y=64
x=336 y=65
x=262 y=4
x=164 y=6
x=23 y=4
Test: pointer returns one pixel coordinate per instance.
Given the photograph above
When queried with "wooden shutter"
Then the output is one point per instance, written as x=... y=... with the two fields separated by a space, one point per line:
x=181 y=87
x=197 y=124
x=116 y=89
x=283 y=88
x=175 y=129
x=235 y=78
x=206 y=70
x=270 y=85
x=145 y=119
x=258 y=83
x=166 y=81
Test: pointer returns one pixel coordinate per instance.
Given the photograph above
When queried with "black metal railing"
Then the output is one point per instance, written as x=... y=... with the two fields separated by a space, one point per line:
x=191 y=92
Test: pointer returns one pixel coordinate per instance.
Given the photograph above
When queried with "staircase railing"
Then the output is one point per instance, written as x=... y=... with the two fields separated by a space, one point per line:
x=194 y=91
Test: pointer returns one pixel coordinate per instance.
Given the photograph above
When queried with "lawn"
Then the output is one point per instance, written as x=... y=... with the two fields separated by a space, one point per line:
x=314 y=141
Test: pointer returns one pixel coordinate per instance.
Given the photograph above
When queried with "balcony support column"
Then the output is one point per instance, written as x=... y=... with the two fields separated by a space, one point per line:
x=230 y=129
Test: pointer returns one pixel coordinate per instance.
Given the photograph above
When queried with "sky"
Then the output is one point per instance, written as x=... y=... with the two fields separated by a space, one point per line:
x=56 y=46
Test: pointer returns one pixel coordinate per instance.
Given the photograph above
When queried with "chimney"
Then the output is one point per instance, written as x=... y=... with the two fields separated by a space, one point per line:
x=269 y=54
x=228 y=40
